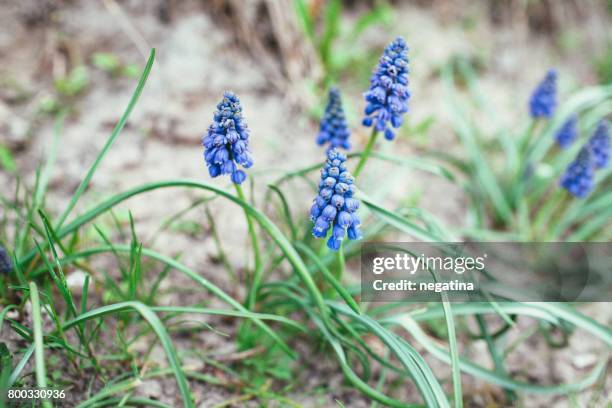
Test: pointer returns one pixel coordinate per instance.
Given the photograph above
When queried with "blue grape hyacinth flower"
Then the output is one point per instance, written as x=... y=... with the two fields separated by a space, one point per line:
x=568 y=132
x=543 y=100
x=226 y=143
x=334 y=127
x=335 y=207
x=579 y=177
x=387 y=97
x=599 y=144
x=6 y=264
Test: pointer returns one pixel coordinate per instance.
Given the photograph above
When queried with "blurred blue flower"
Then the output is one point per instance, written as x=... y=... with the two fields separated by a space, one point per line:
x=599 y=144
x=543 y=100
x=6 y=264
x=334 y=207
x=568 y=132
x=387 y=97
x=579 y=176
x=334 y=128
x=226 y=143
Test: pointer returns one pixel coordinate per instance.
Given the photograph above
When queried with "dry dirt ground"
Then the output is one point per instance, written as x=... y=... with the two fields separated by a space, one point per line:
x=196 y=60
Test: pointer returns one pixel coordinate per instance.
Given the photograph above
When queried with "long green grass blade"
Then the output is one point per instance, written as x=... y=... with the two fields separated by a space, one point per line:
x=397 y=221
x=21 y=365
x=122 y=121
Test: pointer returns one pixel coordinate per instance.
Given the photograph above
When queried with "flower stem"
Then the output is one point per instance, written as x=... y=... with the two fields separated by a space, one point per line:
x=366 y=153
x=340 y=258
x=256 y=278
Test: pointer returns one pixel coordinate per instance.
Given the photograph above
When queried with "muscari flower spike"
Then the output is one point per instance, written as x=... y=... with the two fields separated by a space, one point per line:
x=334 y=128
x=579 y=176
x=335 y=206
x=387 y=97
x=226 y=143
x=6 y=264
x=599 y=144
x=543 y=100
x=568 y=132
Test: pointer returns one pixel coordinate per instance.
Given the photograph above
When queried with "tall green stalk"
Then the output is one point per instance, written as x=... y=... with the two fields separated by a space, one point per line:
x=366 y=153
x=256 y=278
x=340 y=255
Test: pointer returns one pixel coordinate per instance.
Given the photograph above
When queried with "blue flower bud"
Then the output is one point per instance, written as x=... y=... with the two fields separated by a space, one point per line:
x=579 y=177
x=568 y=132
x=334 y=127
x=338 y=232
x=228 y=167
x=315 y=211
x=225 y=145
x=353 y=233
x=333 y=243
x=351 y=204
x=341 y=188
x=214 y=170
x=329 y=182
x=238 y=177
x=599 y=144
x=6 y=264
x=389 y=135
x=320 y=201
x=345 y=177
x=344 y=219
x=219 y=140
x=326 y=193
x=335 y=210
x=333 y=172
x=232 y=136
x=337 y=201
x=387 y=97
x=543 y=100
x=320 y=228
x=329 y=213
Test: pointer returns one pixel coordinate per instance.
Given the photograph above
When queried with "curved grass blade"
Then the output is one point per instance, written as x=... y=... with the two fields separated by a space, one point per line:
x=415 y=163
x=21 y=365
x=231 y=313
x=468 y=309
x=85 y=182
x=3 y=314
x=286 y=210
x=398 y=222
